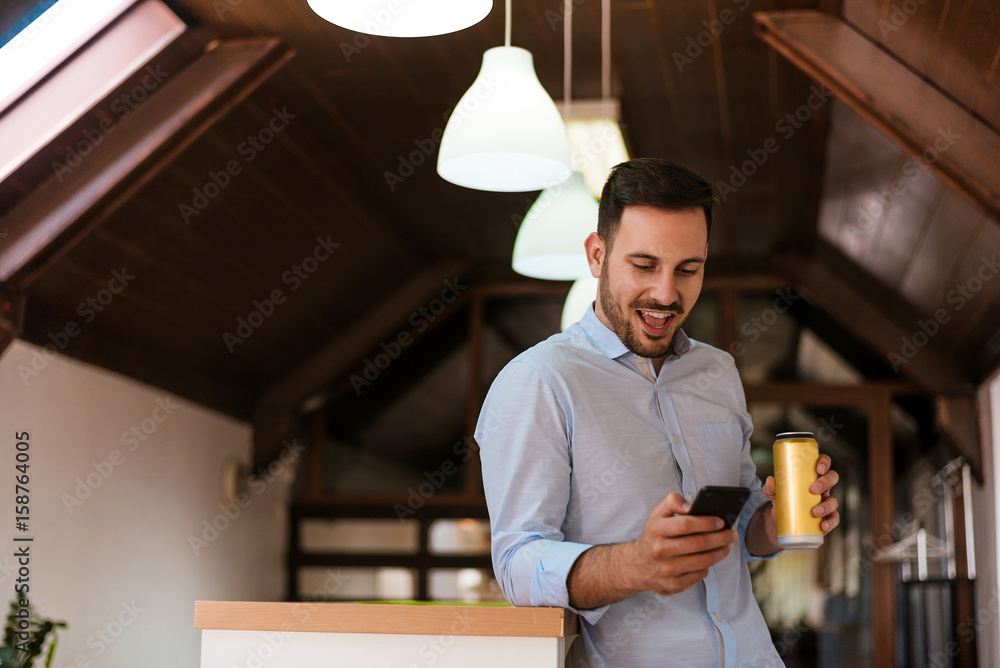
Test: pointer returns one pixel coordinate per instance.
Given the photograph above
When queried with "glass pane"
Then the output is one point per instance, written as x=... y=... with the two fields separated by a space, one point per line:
x=360 y=535
x=471 y=585
x=355 y=584
x=768 y=334
x=702 y=322
x=464 y=536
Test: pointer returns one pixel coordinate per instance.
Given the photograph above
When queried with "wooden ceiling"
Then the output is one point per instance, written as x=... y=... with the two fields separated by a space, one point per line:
x=347 y=110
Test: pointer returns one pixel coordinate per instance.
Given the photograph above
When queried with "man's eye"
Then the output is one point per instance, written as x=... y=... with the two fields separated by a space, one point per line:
x=643 y=267
x=688 y=272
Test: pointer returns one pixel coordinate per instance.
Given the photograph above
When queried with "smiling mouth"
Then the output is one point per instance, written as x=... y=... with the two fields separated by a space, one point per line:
x=656 y=321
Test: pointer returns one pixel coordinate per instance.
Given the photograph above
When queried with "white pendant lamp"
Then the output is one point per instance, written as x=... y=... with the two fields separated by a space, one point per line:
x=506 y=134
x=403 y=18
x=583 y=292
x=549 y=243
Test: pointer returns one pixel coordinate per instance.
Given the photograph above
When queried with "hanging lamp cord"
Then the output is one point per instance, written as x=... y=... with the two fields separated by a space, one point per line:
x=506 y=34
x=567 y=57
x=606 y=50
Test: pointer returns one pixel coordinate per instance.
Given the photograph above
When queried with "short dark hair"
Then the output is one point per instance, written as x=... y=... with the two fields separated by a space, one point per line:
x=651 y=182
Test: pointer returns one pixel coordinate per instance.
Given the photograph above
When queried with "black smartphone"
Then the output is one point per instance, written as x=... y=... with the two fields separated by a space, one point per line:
x=723 y=502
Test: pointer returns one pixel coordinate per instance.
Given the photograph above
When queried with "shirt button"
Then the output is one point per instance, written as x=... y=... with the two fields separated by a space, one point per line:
x=718 y=616
x=690 y=496
x=676 y=440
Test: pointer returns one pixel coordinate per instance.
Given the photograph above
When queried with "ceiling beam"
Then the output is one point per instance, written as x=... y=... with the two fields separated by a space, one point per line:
x=948 y=139
x=62 y=210
x=847 y=300
x=300 y=390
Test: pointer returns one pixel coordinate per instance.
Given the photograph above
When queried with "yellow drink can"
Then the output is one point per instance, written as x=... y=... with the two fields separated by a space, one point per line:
x=795 y=456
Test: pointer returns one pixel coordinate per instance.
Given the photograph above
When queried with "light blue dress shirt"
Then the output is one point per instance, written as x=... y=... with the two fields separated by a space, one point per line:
x=580 y=440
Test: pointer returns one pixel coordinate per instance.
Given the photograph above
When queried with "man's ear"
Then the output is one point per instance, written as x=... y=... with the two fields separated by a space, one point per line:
x=594 y=245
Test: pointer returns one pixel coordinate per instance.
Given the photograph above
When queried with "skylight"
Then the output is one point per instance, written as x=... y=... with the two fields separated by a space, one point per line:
x=48 y=40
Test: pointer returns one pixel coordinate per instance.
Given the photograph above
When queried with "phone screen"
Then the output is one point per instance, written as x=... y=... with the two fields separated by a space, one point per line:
x=722 y=502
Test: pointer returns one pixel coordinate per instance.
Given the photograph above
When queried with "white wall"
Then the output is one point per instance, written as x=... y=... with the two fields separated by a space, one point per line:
x=987 y=527
x=129 y=541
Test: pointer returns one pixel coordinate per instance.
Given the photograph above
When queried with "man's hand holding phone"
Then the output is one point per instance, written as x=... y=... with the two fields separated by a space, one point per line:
x=677 y=548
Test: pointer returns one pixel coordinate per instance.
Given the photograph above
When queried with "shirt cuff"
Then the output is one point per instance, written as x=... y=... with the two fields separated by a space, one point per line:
x=756 y=500
x=550 y=584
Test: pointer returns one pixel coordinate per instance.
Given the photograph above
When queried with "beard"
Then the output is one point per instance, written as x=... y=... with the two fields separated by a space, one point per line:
x=639 y=342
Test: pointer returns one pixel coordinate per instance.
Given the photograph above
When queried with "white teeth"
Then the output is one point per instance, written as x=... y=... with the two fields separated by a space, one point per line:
x=656 y=314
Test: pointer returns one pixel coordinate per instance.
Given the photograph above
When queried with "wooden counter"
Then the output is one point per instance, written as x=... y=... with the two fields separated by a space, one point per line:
x=287 y=635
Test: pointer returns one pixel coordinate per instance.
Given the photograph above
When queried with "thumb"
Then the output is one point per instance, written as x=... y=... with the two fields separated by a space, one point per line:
x=673 y=504
x=768 y=488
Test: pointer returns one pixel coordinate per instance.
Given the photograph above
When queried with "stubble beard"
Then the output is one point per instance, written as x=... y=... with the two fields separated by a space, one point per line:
x=624 y=328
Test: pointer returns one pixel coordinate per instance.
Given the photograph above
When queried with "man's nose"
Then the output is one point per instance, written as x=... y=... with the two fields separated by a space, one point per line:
x=664 y=289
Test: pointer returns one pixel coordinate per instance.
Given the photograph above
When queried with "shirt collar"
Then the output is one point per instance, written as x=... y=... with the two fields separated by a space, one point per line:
x=612 y=347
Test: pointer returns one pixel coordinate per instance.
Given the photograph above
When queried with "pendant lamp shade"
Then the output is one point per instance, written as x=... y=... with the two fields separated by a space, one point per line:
x=549 y=243
x=583 y=292
x=506 y=134
x=404 y=18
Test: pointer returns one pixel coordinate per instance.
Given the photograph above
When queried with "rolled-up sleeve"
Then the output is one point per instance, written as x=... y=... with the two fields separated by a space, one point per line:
x=749 y=478
x=524 y=432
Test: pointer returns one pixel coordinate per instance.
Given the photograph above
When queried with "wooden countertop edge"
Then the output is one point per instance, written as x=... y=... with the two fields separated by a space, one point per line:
x=462 y=620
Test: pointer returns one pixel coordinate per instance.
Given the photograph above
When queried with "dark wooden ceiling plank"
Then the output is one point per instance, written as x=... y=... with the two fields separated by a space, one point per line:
x=666 y=66
x=377 y=226
x=187 y=236
x=974 y=272
x=144 y=306
x=988 y=104
x=186 y=376
x=906 y=108
x=969 y=42
x=864 y=15
x=949 y=231
x=914 y=37
x=921 y=236
x=168 y=269
x=60 y=211
x=902 y=231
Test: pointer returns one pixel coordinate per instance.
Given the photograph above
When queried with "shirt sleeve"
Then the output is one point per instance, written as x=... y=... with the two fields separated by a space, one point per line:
x=749 y=479
x=524 y=434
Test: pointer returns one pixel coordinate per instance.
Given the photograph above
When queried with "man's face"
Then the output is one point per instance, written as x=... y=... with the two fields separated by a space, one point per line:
x=651 y=278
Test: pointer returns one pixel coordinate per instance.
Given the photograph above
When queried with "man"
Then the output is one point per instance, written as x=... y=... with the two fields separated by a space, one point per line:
x=595 y=441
